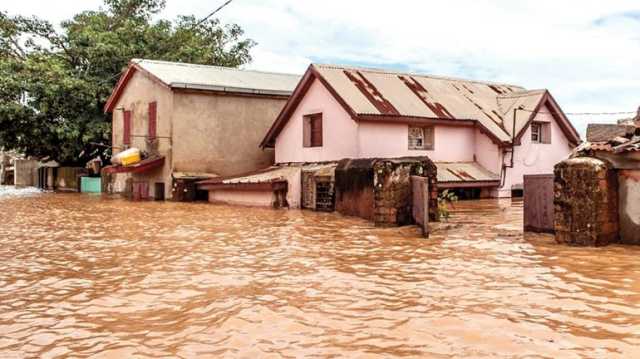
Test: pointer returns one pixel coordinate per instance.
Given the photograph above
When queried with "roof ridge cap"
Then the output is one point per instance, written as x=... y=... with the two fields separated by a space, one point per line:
x=226 y=68
x=522 y=93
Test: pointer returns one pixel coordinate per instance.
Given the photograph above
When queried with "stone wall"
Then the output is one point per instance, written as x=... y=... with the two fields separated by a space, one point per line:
x=586 y=202
x=393 y=190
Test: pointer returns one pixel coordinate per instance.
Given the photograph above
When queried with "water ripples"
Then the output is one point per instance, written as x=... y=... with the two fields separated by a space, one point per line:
x=85 y=276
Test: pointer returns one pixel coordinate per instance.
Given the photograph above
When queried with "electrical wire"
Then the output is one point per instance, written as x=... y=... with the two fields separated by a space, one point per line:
x=212 y=13
x=581 y=113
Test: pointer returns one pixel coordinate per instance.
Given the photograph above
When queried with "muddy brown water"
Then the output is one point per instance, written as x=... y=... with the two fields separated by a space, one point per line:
x=85 y=276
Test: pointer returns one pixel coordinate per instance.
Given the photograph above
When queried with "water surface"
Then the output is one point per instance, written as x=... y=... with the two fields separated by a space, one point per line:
x=85 y=276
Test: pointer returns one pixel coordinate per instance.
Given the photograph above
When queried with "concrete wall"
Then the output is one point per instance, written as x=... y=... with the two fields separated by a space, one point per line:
x=487 y=153
x=536 y=158
x=629 y=206
x=339 y=131
x=243 y=198
x=139 y=92
x=221 y=133
x=25 y=173
x=197 y=131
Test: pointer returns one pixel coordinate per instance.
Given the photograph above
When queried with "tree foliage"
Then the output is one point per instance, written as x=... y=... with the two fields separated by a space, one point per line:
x=55 y=82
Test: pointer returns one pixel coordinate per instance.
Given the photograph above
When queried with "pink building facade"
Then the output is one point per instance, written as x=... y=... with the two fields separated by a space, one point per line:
x=481 y=135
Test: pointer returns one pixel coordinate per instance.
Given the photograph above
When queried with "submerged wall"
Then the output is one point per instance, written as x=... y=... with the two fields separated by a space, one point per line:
x=629 y=206
x=586 y=202
x=380 y=189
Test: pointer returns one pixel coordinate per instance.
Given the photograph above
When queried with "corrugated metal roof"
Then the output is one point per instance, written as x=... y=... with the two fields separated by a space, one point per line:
x=464 y=172
x=217 y=78
x=378 y=92
x=599 y=132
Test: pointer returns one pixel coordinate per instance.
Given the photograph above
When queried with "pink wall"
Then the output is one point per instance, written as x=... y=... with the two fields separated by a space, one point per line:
x=537 y=158
x=452 y=144
x=488 y=154
x=344 y=138
x=339 y=130
x=243 y=198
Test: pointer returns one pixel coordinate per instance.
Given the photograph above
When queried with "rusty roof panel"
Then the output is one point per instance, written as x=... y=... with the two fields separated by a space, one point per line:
x=371 y=92
x=381 y=92
x=355 y=99
x=600 y=132
x=464 y=172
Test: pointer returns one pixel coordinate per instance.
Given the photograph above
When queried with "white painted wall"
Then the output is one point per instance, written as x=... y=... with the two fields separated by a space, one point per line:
x=537 y=158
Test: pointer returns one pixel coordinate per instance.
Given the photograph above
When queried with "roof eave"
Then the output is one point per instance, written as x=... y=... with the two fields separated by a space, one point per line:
x=227 y=89
x=563 y=121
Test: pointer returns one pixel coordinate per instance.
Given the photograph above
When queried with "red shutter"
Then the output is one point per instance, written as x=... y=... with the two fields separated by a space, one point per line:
x=153 y=120
x=127 y=128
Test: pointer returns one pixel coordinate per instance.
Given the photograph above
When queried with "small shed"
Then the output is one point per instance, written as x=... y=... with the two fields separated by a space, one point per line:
x=380 y=190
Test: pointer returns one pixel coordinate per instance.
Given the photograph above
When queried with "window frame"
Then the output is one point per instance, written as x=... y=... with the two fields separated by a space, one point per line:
x=428 y=138
x=127 y=127
x=543 y=132
x=152 y=125
x=313 y=124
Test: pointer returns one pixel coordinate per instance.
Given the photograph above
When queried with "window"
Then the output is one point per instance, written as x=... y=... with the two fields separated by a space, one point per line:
x=540 y=132
x=421 y=138
x=126 y=136
x=153 y=120
x=312 y=130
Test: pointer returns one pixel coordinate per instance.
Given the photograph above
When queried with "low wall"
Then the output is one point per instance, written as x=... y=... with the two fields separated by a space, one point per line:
x=586 y=202
x=629 y=206
x=381 y=190
x=243 y=197
x=25 y=173
x=68 y=178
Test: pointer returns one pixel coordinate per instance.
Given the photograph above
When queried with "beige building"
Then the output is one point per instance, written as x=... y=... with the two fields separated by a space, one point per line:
x=192 y=122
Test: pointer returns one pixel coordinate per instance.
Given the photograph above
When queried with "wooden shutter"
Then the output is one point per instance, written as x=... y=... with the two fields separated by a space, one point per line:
x=127 y=128
x=306 y=131
x=546 y=133
x=153 y=120
x=429 y=138
x=316 y=130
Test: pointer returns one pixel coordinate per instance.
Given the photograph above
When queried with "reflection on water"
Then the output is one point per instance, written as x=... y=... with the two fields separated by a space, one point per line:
x=84 y=276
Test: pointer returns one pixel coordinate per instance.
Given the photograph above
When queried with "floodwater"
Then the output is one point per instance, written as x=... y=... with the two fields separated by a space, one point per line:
x=85 y=276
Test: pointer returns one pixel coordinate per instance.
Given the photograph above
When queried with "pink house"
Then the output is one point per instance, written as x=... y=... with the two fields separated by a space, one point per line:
x=481 y=135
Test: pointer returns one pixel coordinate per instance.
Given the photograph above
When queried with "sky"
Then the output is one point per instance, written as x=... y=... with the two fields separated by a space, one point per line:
x=586 y=53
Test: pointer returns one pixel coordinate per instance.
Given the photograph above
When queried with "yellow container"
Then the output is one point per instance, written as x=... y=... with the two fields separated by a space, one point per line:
x=128 y=158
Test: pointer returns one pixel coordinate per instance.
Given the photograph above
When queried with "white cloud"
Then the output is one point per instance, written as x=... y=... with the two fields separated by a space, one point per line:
x=585 y=52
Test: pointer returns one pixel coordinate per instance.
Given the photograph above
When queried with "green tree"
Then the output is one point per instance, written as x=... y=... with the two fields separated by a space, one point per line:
x=54 y=83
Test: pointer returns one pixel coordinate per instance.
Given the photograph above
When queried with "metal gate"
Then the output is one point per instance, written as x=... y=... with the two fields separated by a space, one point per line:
x=538 y=203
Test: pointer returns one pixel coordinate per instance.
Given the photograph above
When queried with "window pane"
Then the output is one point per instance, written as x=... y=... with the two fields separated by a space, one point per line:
x=416 y=138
